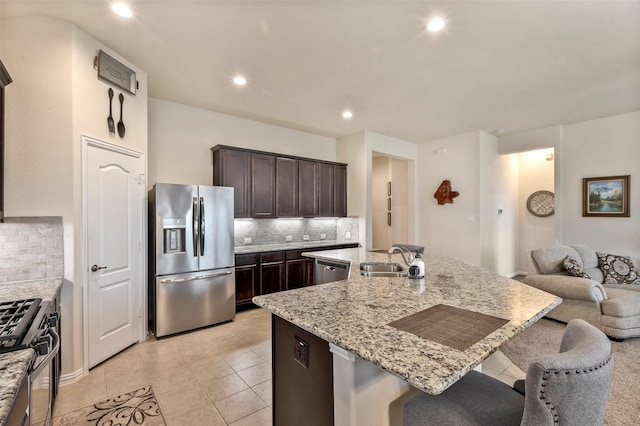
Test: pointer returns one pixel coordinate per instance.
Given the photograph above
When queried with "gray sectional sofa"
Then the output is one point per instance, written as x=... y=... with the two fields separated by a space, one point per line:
x=613 y=308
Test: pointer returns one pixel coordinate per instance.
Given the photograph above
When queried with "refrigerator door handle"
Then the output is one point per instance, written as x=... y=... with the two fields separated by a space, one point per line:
x=195 y=277
x=194 y=226
x=202 y=216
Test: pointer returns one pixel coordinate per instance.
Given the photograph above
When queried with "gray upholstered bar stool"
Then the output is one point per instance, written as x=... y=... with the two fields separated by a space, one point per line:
x=568 y=388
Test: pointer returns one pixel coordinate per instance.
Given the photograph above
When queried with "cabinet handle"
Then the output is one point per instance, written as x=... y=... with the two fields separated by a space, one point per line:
x=194 y=278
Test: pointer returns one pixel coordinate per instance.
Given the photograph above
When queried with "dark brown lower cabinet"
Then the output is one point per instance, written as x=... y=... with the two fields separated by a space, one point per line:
x=271 y=272
x=298 y=270
x=247 y=278
x=264 y=273
x=302 y=376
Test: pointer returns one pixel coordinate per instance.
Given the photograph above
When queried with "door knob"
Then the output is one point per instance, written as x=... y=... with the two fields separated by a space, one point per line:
x=95 y=268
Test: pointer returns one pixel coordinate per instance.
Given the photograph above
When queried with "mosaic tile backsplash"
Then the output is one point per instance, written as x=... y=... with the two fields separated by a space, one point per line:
x=31 y=248
x=274 y=231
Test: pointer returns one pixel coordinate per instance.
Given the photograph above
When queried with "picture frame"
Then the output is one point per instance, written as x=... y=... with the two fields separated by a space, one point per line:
x=606 y=196
x=112 y=71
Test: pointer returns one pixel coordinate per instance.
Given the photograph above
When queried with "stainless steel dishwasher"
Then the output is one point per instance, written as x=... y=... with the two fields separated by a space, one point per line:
x=327 y=271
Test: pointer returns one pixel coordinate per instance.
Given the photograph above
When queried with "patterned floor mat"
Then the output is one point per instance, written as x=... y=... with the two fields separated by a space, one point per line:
x=135 y=408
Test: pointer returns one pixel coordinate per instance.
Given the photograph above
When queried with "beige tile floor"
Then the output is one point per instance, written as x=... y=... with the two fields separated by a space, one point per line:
x=219 y=375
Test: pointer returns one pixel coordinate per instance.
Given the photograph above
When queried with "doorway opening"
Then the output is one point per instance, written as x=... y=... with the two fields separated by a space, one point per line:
x=390 y=203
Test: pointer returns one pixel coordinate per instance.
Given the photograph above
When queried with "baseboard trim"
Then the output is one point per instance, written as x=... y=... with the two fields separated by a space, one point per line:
x=67 y=379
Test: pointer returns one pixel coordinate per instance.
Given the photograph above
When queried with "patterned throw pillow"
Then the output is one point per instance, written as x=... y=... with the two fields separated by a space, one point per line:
x=618 y=269
x=574 y=268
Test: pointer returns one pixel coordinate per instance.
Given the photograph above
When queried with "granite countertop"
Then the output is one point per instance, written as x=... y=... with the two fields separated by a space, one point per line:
x=353 y=314
x=45 y=289
x=13 y=368
x=298 y=245
x=14 y=365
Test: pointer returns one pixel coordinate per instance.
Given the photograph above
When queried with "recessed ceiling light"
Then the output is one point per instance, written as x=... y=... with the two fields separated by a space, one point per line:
x=239 y=80
x=436 y=24
x=347 y=114
x=122 y=10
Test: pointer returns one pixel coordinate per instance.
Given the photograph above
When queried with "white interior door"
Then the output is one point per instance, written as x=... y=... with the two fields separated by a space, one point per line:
x=115 y=275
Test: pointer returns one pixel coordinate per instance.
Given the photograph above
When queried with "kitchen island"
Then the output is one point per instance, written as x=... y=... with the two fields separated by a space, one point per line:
x=374 y=362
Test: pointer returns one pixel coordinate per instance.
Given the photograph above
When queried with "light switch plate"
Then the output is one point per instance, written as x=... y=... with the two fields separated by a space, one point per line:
x=347 y=235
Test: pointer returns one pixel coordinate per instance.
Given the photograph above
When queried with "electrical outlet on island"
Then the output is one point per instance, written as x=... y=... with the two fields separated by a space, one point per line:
x=323 y=236
x=247 y=240
x=347 y=235
x=289 y=238
x=305 y=238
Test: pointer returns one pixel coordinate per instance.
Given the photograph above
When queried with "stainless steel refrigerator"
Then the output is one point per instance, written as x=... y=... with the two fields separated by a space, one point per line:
x=191 y=257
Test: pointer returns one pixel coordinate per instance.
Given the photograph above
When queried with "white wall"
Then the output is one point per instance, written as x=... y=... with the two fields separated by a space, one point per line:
x=498 y=207
x=487 y=217
x=549 y=138
x=530 y=140
x=56 y=97
x=358 y=150
x=506 y=228
x=352 y=150
x=445 y=229
x=470 y=228
x=535 y=173
x=39 y=118
x=181 y=137
x=1 y=34
x=604 y=147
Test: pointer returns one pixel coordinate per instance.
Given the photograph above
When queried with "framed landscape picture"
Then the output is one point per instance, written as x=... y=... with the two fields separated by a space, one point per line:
x=605 y=196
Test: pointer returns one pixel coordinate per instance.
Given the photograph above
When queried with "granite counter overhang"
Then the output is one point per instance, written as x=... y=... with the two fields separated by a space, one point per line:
x=298 y=245
x=14 y=365
x=353 y=314
x=13 y=369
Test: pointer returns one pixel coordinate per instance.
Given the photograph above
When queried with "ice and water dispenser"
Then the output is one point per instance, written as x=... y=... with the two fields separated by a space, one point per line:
x=174 y=234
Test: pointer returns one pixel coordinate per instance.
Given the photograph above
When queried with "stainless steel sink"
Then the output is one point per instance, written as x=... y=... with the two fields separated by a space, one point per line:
x=381 y=269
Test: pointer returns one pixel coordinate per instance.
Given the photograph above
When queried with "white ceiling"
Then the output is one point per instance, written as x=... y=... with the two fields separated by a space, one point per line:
x=516 y=65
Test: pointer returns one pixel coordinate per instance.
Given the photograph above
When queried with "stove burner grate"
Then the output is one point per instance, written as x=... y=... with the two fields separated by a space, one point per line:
x=15 y=320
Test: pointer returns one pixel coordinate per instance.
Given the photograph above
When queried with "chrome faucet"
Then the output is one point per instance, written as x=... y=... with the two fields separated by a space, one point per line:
x=402 y=251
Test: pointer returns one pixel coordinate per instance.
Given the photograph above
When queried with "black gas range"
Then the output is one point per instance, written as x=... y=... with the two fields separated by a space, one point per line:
x=33 y=323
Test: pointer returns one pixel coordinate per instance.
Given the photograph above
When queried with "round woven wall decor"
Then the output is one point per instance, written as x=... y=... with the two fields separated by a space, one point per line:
x=540 y=203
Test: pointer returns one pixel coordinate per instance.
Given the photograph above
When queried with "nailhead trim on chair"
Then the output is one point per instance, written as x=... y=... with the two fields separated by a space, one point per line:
x=545 y=376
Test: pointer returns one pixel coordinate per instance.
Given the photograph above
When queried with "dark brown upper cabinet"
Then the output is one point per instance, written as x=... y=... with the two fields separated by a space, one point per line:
x=287 y=187
x=308 y=184
x=263 y=186
x=232 y=168
x=340 y=190
x=325 y=190
x=269 y=185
